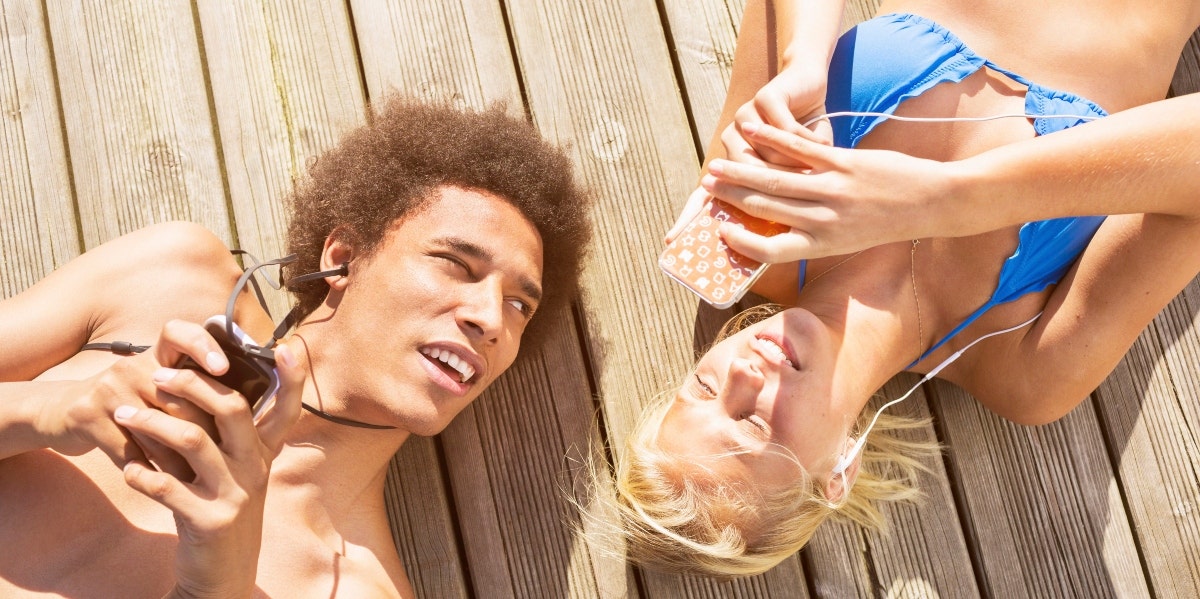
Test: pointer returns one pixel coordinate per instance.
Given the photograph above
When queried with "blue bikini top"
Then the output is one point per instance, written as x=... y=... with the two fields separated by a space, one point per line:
x=884 y=61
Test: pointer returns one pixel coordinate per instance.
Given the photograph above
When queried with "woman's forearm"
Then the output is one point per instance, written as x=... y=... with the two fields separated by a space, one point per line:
x=1142 y=160
x=807 y=30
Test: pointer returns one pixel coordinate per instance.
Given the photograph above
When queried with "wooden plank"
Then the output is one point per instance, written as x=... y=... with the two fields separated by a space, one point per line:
x=38 y=230
x=1187 y=72
x=422 y=519
x=453 y=51
x=598 y=78
x=508 y=465
x=1040 y=502
x=922 y=552
x=1150 y=408
x=504 y=455
x=285 y=87
x=138 y=122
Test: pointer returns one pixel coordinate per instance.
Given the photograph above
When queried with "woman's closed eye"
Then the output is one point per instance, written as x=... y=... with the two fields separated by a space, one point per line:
x=708 y=391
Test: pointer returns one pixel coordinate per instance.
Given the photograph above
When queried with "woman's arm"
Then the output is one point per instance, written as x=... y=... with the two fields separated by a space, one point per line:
x=779 y=75
x=1143 y=160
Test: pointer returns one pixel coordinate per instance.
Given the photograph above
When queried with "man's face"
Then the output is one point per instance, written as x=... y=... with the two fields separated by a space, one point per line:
x=437 y=313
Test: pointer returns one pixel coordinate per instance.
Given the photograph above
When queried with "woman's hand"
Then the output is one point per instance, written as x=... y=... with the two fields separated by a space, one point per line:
x=219 y=512
x=79 y=418
x=793 y=97
x=845 y=201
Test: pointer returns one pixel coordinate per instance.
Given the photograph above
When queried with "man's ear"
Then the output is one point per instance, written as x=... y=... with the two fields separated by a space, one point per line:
x=839 y=485
x=336 y=253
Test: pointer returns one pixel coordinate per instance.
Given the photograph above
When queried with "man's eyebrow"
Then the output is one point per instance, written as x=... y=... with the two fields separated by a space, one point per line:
x=478 y=252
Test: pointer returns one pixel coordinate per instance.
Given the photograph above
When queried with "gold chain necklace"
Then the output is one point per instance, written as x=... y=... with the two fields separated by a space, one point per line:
x=912 y=260
x=912 y=269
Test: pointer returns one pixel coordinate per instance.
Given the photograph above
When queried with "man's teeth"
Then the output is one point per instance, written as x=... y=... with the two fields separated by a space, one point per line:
x=772 y=347
x=452 y=360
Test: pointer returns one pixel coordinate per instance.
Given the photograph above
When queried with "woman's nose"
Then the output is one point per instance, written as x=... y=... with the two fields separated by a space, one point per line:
x=743 y=385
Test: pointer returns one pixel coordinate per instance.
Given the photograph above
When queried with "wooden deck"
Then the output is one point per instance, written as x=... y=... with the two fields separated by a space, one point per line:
x=118 y=114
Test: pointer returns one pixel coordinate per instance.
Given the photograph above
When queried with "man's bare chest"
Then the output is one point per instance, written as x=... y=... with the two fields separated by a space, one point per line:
x=67 y=528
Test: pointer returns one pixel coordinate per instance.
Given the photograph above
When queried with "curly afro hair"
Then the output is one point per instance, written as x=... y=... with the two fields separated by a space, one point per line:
x=389 y=169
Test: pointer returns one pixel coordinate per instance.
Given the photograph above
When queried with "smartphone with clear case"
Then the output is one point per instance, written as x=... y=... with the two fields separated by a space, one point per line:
x=698 y=259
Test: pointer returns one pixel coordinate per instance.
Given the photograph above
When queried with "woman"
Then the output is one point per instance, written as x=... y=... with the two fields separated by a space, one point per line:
x=765 y=438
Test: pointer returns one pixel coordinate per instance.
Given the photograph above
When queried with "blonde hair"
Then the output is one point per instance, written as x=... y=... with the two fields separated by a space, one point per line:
x=681 y=518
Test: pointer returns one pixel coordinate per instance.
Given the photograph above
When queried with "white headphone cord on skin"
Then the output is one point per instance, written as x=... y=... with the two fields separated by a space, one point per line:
x=847 y=459
x=945 y=119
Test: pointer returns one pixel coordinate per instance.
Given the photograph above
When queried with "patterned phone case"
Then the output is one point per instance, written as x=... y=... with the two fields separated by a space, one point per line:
x=701 y=261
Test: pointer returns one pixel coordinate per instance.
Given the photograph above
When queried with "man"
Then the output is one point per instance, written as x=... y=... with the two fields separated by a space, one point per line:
x=441 y=220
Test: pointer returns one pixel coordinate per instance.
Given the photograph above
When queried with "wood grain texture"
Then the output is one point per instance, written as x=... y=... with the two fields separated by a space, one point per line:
x=138 y=121
x=423 y=523
x=285 y=87
x=599 y=79
x=1150 y=408
x=454 y=51
x=38 y=230
x=511 y=479
x=1040 y=502
x=1187 y=72
x=922 y=552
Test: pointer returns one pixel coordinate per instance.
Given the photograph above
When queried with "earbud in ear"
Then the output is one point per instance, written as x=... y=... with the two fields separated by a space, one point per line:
x=848 y=457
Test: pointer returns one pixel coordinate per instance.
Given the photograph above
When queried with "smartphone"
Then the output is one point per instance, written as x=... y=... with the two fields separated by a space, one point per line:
x=699 y=259
x=251 y=368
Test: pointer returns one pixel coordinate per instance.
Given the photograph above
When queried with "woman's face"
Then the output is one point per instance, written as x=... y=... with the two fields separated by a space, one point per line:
x=769 y=385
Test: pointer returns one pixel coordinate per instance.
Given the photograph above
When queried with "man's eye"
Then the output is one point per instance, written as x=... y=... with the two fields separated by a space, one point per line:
x=455 y=261
x=521 y=306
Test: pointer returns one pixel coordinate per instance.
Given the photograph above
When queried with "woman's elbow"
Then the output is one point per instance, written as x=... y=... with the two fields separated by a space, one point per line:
x=1033 y=405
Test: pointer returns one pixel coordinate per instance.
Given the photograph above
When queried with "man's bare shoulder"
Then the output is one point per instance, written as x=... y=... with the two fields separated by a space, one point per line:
x=124 y=289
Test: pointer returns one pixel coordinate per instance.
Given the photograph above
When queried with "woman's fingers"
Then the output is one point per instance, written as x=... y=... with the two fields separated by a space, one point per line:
x=810 y=148
x=695 y=203
x=786 y=247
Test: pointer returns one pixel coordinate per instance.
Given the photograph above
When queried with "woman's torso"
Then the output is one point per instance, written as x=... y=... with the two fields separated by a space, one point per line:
x=1117 y=53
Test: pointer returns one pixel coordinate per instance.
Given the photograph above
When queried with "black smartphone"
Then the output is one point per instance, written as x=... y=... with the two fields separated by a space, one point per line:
x=251 y=368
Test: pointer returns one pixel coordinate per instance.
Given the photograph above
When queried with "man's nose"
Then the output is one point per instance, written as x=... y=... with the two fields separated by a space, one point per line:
x=481 y=312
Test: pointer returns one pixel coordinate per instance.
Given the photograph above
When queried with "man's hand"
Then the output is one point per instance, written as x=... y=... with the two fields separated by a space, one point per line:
x=78 y=419
x=219 y=512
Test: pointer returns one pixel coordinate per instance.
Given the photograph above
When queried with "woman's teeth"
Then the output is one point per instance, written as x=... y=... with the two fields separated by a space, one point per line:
x=773 y=348
x=452 y=360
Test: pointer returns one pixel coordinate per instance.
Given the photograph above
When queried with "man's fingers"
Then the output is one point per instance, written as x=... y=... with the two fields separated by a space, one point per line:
x=229 y=410
x=280 y=416
x=159 y=486
x=180 y=338
x=182 y=437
